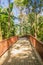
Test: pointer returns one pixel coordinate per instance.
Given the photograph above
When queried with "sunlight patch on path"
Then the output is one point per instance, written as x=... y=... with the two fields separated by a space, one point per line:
x=21 y=49
x=21 y=53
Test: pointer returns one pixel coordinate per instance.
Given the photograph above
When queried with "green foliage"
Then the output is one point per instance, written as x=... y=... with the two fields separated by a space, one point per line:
x=4 y=24
x=31 y=20
x=31 y=17
x=29 y=25
x=11 y=6
x=40 y=28
x=6 y=33
x=21 y=2
x=17 y=29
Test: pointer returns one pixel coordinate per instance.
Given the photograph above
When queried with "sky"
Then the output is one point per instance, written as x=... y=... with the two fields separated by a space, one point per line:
x=4 y=4
x=16 y=11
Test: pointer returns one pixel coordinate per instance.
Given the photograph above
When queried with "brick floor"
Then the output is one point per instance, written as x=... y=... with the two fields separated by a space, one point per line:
x=21 y=53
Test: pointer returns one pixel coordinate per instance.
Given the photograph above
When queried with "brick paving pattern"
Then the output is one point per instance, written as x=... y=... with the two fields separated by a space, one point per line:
x=21 y=53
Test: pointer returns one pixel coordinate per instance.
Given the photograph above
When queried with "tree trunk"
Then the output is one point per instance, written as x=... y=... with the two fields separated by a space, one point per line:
x=0 y=33
x=0 y=24
x=9 y=15
x=35 y=25
x=20 y=21
x=20 y=28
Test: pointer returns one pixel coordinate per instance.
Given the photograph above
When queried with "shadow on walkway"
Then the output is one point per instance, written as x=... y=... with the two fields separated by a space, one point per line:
x=21 y=53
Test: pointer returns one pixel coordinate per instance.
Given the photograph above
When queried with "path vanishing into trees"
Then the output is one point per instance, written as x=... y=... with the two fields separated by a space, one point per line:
x=21 y=53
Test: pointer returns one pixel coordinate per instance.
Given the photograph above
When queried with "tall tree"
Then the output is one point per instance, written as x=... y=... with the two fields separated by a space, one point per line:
x=0 y=23
x=31 y=20
x=9 y=13
x=10 y=7
x=35 y=7
x=22 y=4
x=40 y=28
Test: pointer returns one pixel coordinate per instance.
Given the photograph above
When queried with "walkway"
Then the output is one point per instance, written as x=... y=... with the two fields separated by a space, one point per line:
x=21 y=53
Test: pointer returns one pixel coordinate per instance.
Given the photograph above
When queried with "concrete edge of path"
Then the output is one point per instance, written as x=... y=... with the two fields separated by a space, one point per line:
x=37 y=54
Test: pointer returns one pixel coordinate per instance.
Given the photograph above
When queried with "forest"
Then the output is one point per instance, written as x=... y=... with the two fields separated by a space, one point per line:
x=30 y=19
